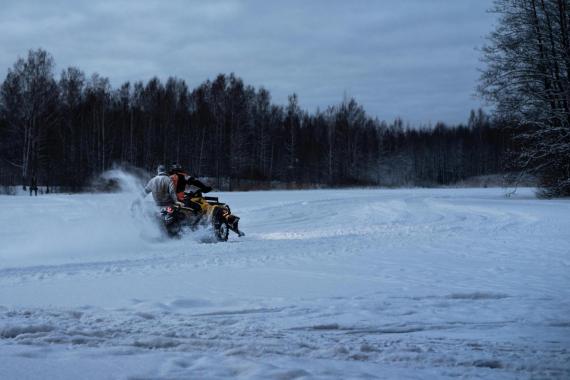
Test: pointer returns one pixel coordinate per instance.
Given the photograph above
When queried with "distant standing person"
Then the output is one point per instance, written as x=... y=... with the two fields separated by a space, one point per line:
x=34 y=186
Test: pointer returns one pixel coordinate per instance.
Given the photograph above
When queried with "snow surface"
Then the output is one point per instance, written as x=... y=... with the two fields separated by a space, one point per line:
x=327 y=284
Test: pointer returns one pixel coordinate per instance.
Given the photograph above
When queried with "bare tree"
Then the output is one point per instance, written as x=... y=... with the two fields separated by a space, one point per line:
x=528 y=79
x=29 y=98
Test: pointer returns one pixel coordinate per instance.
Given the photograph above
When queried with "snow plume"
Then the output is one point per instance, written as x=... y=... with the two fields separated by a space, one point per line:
x=127 y=180
x=105 y=226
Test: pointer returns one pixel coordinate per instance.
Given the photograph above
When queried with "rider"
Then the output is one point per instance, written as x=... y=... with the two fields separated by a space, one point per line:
x=181 y=179
x=162 y=189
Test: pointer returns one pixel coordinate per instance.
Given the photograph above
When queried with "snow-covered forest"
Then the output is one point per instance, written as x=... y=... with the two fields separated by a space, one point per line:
x=66 y=130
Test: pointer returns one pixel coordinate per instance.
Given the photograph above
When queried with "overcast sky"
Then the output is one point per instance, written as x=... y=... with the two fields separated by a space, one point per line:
x=411 y=58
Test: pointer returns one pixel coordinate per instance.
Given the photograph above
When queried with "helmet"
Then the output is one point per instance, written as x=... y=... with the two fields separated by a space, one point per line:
x=175 y=167
x=160 y=169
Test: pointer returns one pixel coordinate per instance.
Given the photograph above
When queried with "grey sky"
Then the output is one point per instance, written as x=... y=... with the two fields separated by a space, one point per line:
x=410 y=58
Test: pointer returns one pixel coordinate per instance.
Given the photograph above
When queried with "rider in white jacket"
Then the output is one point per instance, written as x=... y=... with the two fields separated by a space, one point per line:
x=162 y=188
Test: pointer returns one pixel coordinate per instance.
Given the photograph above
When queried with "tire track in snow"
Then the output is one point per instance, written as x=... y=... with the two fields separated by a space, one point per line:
x=258 y=333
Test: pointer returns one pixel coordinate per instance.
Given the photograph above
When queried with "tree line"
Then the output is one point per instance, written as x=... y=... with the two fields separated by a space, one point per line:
x=66 y=130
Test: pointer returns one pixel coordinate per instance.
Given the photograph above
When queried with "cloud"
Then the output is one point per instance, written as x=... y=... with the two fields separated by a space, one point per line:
x=414 y=59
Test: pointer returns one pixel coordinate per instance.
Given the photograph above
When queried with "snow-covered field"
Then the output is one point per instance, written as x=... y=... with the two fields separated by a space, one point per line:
x=337 y=284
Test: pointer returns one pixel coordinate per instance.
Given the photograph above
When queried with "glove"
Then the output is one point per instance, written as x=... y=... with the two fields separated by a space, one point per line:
x=136 y=207
x=136 y=204
x=207 y=189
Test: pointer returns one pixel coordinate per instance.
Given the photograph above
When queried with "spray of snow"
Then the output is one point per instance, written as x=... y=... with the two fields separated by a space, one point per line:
x=83 y=225
x=130 y=183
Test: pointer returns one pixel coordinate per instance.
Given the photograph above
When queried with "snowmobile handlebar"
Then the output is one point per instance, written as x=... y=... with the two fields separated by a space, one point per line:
x=194 y=194
x=200 y=194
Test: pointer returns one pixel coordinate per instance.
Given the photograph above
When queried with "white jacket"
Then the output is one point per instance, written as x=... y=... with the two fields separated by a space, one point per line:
x=162 y=190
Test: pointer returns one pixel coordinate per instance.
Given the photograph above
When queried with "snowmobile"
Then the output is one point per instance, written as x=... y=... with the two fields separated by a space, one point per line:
x=198 y=211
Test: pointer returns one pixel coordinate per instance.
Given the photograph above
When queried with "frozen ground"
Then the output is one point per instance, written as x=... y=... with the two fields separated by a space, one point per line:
x=331 y=284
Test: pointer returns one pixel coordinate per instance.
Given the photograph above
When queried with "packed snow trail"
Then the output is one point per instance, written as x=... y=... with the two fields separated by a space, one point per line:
x=417 y=283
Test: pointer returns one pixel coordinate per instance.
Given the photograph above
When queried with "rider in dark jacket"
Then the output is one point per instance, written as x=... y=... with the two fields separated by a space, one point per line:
x=181 y=179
